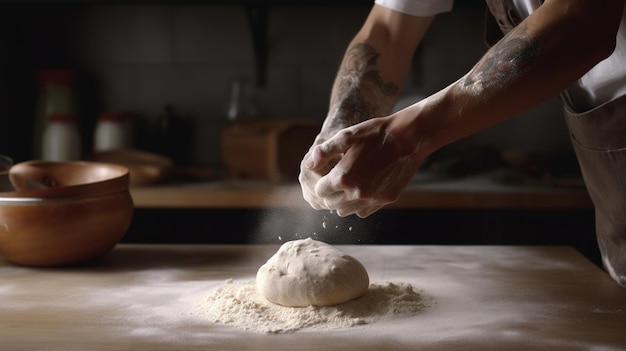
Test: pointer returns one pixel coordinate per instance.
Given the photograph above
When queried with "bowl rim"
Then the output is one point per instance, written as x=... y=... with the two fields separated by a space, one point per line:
x=25 y=200
x=116 y=184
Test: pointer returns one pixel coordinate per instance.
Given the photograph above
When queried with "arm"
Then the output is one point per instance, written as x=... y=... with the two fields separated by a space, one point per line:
x=373 y=69
x=368 y=82
x=376 y=159
x=540 y=58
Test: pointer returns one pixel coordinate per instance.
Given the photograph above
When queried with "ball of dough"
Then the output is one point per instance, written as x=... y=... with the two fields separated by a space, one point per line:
x=309 y=272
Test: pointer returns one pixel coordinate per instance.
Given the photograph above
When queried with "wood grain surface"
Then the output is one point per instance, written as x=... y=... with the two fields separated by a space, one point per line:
x=145 y=297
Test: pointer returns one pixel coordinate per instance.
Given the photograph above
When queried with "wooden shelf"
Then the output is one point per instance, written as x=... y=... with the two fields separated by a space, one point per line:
x=481 y=192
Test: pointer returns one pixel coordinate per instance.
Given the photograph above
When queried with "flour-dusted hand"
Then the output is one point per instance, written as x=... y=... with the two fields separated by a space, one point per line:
x=367 y=85
x=371 y=166
x=308 y=178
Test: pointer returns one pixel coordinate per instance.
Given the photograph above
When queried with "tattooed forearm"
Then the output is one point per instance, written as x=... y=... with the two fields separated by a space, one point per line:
x=505 y=62
x=359 y=92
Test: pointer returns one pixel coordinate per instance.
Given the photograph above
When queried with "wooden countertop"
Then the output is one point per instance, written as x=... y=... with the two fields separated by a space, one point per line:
x=426 y=191
x=144 y=297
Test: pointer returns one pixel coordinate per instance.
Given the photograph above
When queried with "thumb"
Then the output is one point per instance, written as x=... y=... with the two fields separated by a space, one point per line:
x=323 y=154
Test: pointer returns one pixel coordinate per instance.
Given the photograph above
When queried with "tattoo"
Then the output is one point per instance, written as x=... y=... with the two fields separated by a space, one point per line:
x=359 y=93
x=506 y=61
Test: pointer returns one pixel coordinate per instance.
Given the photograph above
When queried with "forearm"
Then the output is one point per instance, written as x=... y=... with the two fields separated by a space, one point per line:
x=540 y=58
x=360 y=92
x=373 y=69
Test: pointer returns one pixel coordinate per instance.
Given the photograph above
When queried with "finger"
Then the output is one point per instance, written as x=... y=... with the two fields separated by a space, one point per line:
x=313 y=201
x=344 y=212
x=362 y=208
x=336 y=200
x=368 y=211
x=328 y=185
x=307 y=180
x=352 y=208
x=309 y=196
x=322 y=154
x=345 y=207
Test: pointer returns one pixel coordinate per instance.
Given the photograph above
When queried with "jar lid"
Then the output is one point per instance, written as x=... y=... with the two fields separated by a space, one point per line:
x=62 y=117
x=117 y=116
x=55 y=76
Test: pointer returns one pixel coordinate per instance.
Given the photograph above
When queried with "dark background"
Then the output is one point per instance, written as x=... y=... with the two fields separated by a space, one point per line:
x=48 y=34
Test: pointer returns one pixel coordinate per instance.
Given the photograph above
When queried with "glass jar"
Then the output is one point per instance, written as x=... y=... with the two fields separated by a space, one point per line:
x=113 y=131
x=61 y=140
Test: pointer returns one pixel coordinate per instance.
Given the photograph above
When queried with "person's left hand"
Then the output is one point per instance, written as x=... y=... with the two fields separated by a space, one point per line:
x=373 y=169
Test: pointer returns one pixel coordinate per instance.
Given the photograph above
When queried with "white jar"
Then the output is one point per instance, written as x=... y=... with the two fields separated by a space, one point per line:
x=113 y=131
x=61 y=140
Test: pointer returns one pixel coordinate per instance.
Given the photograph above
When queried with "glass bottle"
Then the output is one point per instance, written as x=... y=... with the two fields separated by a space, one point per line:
x=56 y=98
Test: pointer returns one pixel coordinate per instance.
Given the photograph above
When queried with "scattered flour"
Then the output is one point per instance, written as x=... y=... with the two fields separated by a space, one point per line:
x=240 y=305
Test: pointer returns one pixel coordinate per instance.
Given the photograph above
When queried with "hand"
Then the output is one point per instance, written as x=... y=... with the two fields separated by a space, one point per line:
x=359 y=170
x=308 y=178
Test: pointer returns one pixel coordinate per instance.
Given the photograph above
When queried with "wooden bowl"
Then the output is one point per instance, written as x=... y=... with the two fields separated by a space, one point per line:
x=63 y=212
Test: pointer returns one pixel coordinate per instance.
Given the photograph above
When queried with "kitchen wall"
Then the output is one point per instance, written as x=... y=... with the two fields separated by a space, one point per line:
x=188 y=56
x=140 y=57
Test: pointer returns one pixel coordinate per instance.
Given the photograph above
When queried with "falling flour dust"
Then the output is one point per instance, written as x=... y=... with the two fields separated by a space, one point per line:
x=238 y=304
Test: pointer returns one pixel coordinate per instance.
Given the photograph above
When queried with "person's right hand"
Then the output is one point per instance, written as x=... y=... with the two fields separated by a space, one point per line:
x=361 y=168
x=308 y=178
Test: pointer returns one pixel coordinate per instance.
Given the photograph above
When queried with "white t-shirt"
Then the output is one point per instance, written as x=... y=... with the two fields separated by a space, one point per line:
x=423 y=8
x=603 y=83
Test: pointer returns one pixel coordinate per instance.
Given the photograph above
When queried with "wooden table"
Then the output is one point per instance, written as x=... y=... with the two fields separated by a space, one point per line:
x=142 y=297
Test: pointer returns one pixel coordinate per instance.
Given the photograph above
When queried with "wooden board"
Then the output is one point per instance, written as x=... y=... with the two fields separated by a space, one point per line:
x=144 y=297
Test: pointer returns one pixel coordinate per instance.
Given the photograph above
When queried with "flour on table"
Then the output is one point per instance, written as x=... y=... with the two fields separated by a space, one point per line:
x=240 y=305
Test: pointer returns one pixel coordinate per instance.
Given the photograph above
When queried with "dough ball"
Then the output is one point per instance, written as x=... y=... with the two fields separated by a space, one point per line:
x=309 y=272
